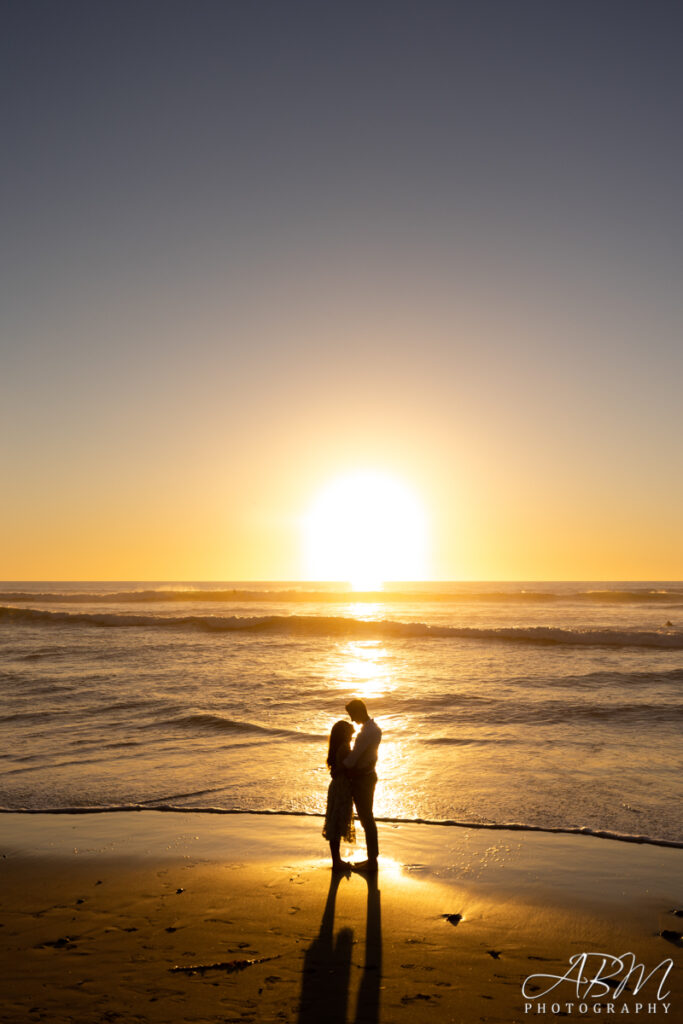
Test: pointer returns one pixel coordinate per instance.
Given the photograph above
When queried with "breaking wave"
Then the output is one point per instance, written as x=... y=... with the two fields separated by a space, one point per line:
x=321 y=625
x=218 y=723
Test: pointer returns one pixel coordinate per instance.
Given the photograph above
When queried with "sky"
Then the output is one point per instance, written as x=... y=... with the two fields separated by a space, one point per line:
x=250 y=247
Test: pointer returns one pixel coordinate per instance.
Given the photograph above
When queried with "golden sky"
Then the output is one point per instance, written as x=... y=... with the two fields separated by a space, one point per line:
x=235 y=271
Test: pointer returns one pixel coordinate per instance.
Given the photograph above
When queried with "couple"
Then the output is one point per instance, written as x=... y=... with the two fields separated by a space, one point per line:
x=353 y=782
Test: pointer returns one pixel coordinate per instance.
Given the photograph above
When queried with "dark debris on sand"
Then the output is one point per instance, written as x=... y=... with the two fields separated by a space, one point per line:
x=63 y=943
x=229 y=966
x=453 y=919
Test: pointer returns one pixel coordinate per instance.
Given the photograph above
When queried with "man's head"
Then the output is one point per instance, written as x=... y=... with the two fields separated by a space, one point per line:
x=357 y=711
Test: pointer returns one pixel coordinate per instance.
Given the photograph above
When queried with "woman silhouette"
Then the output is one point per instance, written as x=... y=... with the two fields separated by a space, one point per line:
x=339 y=812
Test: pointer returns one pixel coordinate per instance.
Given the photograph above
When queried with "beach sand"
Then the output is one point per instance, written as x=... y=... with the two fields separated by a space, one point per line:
x=99 y=909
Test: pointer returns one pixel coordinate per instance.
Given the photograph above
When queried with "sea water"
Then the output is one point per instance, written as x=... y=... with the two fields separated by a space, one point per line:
x=543 y=705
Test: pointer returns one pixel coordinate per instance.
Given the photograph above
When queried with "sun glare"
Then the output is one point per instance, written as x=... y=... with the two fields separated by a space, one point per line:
x=365 y=529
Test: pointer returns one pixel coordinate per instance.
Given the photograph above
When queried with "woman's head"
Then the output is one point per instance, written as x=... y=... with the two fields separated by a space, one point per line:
x=341 y=733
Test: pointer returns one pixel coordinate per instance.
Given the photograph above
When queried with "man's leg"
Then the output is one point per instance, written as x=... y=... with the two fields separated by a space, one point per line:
x=363 y=796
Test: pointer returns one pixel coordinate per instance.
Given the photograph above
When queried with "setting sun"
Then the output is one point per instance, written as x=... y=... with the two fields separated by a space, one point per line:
x=365 y=528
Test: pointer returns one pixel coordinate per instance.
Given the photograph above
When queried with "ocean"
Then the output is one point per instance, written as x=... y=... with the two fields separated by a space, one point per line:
x=555 y=706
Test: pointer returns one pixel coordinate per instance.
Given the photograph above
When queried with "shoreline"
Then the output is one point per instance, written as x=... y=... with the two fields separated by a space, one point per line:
x=573 y=830
x=99 y=909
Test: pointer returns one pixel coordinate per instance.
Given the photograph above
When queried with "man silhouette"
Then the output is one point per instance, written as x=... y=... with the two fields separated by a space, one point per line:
x=361 y=764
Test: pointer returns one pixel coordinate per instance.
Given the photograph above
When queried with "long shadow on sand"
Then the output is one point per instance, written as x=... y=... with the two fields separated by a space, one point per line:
x=327 y=966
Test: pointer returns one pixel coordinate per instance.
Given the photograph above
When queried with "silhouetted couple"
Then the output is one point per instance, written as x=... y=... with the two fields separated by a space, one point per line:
x=353 y=783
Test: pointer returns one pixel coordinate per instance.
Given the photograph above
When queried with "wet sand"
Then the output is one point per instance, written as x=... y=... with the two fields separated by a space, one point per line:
x=100 y=911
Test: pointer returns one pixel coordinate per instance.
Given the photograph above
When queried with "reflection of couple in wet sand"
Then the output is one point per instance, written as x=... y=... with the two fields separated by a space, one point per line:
x=353 y=784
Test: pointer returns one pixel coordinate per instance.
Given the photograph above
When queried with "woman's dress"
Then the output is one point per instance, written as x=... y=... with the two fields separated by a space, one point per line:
x=339 y=812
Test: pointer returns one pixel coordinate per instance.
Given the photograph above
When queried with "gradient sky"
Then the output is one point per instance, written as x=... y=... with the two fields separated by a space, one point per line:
x=248 y=247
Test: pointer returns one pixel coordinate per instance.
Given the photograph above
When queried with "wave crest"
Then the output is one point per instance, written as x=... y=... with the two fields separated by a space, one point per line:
x=322 y=625
x=218 y=723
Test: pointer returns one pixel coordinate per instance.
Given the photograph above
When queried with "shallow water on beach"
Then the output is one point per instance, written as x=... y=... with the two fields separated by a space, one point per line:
x=555 y=705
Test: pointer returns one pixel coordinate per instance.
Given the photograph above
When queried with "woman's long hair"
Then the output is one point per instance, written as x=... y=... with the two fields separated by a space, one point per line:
x=341 y=733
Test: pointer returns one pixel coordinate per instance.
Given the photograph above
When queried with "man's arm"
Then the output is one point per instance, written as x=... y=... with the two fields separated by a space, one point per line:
x=363 y=741
x=369 y=736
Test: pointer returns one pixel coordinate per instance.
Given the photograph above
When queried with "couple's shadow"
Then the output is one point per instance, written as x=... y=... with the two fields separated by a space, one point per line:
x=327 y=966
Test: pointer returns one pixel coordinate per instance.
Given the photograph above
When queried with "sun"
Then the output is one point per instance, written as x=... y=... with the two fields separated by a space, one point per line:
x=365 y=528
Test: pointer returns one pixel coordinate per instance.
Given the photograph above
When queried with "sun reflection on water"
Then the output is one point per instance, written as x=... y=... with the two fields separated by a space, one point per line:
x=363 y=666
x=368 y=611
x=374 y=672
